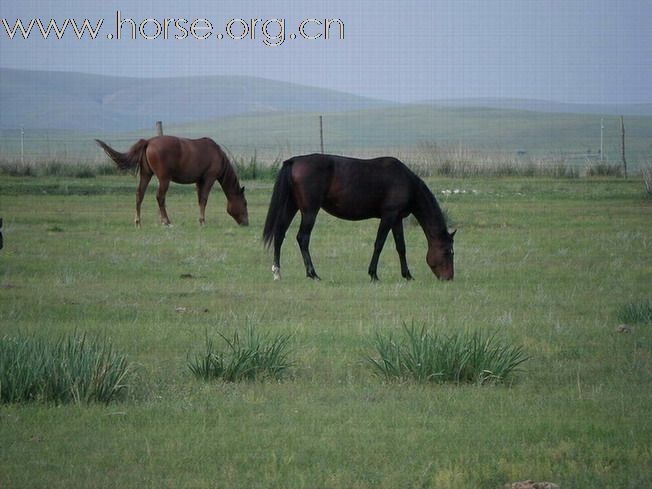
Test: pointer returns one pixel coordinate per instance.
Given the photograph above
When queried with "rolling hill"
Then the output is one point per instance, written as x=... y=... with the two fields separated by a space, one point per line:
x=83 y=102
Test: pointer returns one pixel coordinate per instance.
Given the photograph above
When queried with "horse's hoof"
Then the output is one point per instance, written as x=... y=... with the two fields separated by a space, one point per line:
x=276 y=271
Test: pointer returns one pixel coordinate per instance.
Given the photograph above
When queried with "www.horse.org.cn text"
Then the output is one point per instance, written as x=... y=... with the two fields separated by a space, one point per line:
x=270 y=32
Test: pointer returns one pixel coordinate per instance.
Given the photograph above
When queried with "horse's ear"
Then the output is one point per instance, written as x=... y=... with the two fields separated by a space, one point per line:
x=242 y=190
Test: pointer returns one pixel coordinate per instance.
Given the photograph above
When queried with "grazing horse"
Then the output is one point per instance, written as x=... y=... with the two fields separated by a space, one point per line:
x=355 y=189
x=181 y=160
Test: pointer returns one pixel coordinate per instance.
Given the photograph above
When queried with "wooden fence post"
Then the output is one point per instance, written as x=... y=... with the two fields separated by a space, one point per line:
x=622 y=144
x=602 y=139
x=159 y=128
x=321 y=134
x=22 y=145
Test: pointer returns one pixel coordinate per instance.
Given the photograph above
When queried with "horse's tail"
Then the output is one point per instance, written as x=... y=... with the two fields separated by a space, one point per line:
x=281 y=197
x=130 y=160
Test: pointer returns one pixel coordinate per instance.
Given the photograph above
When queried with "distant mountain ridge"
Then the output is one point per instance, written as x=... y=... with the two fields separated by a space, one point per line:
x=534 y=105
x=85 y=102
x=109 y=103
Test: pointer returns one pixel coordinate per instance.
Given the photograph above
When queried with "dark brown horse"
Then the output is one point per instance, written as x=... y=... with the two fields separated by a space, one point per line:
x=181 y=160
x=355 y=189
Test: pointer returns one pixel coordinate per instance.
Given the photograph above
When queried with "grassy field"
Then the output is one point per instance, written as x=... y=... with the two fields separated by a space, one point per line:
x=544 y=264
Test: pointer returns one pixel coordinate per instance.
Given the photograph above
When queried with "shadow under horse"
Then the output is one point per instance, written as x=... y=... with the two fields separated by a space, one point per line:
x=186 y=161
x=356 y=189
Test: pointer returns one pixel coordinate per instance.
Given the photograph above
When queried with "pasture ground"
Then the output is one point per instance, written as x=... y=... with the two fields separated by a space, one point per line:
x=544 y=263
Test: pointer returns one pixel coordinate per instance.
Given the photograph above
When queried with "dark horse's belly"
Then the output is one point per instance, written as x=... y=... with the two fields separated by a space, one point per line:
x=369 y=197
x=351 y=213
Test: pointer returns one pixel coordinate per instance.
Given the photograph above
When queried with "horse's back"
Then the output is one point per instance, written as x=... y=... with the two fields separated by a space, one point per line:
x=175 y=145
x=384 y=169
x=184 y=160
x=352 y=188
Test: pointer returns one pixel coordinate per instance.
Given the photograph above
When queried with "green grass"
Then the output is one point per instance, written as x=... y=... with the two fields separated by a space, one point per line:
x=636 y=312
x=252 y=357
x=544 y=263
x=423 y=356
x=72 y=369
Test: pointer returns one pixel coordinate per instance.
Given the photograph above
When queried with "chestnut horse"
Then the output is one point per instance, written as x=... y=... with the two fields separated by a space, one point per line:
x=355 y=189
x=181 y=160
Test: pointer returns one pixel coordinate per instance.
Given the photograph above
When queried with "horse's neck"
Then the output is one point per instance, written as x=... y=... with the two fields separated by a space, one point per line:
x=428 y=214
x=229 y=180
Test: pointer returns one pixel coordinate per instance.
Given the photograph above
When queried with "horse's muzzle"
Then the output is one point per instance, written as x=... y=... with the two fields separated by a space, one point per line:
x=443 y=275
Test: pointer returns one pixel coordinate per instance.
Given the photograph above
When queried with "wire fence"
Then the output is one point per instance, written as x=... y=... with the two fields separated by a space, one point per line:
x=315 y=134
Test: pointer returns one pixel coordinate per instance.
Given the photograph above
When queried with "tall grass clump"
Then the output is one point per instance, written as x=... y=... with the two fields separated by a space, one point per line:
x=422 y=356
x=72 y=369
x=251 y=168
x=636 y=312
x=17 y=169
x=251 y=357
x=603 y=169
x=460 y=162
x=55 y=168
x=647 y=179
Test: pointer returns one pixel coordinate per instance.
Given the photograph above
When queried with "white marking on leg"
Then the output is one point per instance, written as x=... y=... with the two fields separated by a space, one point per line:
x=277 y=272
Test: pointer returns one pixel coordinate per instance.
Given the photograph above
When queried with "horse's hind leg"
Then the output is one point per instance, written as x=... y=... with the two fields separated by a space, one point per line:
x=386 y=223
x=140 y=194
x=303 y=238
x=399 y=240
x=279 y=235
x=203 y=189
x=163 y=185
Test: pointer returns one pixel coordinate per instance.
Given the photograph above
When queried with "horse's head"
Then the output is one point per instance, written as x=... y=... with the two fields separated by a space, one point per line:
x=440 y=255
x=237 y=208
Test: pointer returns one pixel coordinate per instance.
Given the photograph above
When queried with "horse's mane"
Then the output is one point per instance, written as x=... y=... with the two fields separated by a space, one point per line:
x=428 y=207
x=228 y=177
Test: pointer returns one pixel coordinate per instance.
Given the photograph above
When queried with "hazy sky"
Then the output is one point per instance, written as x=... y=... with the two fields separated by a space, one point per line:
x=597 y=51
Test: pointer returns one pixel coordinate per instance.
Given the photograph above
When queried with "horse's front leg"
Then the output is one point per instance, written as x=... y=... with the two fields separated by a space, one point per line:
x=203 y=189
x=385 y=225
x=163 y=185
x=303 y=238
x=399 y=240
